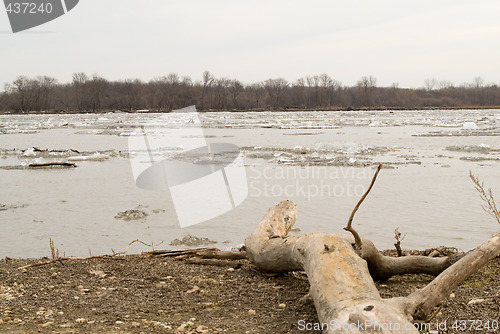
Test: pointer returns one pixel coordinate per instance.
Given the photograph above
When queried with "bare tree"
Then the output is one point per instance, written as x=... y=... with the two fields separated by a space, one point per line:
x=96 y=86
x=167 y=91
x=46 y=86
x=479 y=90
x=32 y=94
x=130 y=94
x=208 y=80
x=478 y=82
x=22 y=92
x=256 y=92
x=186 y=94
x=366 y=86
x=313 y=91
x=80 y=87
x=430 y=84
x=235 y=88
x=299 y=93
x=275 y=88
x=330 y=88
x=220 y=92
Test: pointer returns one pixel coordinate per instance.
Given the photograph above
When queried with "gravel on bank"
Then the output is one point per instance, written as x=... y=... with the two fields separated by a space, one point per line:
x=144 y=294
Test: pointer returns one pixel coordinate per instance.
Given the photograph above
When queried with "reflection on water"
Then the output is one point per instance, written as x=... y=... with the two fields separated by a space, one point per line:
x=321 y=160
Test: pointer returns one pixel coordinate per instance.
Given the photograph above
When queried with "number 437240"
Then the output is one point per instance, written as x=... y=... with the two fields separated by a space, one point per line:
x=29 y=8
x=475 y=325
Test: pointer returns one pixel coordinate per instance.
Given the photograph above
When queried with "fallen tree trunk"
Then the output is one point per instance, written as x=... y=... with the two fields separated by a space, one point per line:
x=341 y=274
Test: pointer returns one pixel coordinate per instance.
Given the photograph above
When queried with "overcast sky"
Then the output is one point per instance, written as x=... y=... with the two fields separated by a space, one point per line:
x=396 y=41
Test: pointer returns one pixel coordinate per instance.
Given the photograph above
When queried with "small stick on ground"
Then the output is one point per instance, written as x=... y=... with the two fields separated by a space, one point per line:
x=203 y=253
x=213 y=262
x=357 y=239
x=152 y=245
x=397 y=236
x=174 y=253
x=39 y=264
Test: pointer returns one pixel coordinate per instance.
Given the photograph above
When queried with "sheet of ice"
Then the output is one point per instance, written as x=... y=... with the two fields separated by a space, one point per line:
x=124 y=123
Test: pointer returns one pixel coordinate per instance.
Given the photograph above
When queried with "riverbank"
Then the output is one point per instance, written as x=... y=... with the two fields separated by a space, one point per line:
x=290 y=109
x=145 y=294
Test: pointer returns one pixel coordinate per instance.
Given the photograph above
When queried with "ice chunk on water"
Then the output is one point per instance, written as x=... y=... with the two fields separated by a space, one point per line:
x=481 y=148
x=30 y=152
x=470 y=126
x=375 y=123
x=94 y=157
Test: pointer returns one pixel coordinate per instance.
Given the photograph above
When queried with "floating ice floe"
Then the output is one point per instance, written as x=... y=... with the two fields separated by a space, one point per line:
x=93 y=157
x=375 y=123
x=460 y=133
x=442 y=124
x=481 y=148
x=234 y=248
x=30 y=152
x=470 y=126
x=475 y=159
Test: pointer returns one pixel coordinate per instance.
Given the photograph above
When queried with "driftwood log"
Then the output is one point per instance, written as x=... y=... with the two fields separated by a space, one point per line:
x=51 y=164
x=341 y=274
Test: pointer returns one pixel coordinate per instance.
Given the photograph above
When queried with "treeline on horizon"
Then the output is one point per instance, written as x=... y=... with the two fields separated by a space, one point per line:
x=93 y=93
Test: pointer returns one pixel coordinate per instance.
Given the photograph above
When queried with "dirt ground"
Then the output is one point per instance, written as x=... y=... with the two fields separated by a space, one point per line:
x=144 y=294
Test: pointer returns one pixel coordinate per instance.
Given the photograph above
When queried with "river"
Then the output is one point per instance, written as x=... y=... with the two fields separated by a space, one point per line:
x=323 y=161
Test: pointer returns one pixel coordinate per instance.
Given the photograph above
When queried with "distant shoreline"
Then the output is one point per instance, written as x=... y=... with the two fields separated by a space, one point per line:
x=52 y=112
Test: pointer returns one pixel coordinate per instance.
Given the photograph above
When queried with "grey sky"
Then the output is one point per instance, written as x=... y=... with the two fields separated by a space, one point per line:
x=393 y=40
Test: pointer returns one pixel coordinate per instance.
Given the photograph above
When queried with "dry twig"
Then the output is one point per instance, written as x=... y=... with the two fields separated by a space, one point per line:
x=487 y=196
x=357 y=239
x=56 y=258
x=152 y=245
